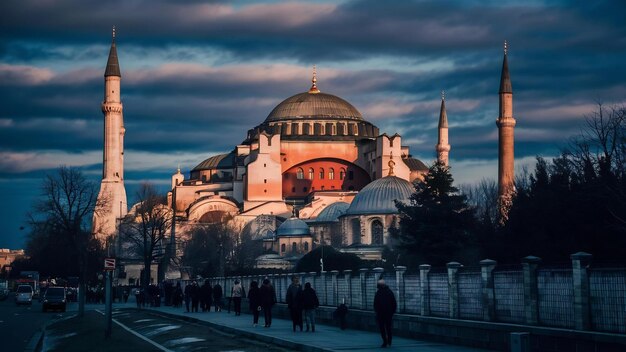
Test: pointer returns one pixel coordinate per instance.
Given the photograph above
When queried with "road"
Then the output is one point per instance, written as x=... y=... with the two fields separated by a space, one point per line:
x=19 y=324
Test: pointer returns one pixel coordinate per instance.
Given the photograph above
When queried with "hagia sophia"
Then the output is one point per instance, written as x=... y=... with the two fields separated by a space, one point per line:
x=314 y=171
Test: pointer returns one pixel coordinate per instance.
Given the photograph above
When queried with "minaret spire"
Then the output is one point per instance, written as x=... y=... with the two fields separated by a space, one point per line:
x=112 y=203
x=443 y=147
x=314 y=89
x=506 y=153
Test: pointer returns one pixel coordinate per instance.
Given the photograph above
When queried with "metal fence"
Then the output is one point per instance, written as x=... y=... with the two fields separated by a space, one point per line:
x=528 y=295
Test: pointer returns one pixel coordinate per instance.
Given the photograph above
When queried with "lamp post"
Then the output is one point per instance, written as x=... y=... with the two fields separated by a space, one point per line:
x=322 y=254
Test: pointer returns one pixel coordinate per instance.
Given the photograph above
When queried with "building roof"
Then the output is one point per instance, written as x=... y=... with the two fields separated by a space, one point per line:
x=505 y=78
x=293 y=227
x=309 y=105
x=220 y=161
x=415 y=164
x=113 y=65
x=332 y=212
x=378 y=197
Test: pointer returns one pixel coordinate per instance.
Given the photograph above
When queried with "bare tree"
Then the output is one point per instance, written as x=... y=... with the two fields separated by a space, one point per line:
x=66 y=209
x=146 y=228
x=484 y=197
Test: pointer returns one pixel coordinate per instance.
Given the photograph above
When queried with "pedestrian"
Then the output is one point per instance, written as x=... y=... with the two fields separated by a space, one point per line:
x=137 y=297
x=293 y=302
x=217 y=297
x=187 y=296
x=385 y=307
x=178 y=296
x=206 y=296
x=195 y=297
x=340 y=314
x=268 y=299
x=254 y=299
x=309 y=302
x=237 y=293
x=126 y=293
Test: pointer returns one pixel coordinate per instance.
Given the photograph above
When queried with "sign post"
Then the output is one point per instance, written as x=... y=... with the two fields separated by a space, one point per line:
x=109 y=267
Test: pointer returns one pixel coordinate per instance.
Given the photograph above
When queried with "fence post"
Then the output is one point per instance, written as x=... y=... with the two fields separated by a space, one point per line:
x=531 y=300
x=325 y=291
x=362 y=276
x=347 y=275
x=488 y=289
x=400 y=288
x=580 y=276
x=335 y=287
x=424 y=294
x=453 y=289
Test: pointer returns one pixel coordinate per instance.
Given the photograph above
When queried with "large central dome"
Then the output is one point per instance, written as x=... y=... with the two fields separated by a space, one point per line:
x=316 y=105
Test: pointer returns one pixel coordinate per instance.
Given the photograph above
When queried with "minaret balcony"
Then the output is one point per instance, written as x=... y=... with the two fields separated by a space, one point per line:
x=112 y=107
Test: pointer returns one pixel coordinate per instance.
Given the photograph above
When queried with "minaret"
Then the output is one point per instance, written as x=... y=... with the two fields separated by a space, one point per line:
x=112 y=204
x=506 y=128
x=443 y=147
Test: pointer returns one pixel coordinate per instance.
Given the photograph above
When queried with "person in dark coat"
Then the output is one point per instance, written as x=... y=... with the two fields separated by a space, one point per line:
x=195 y=296
x=254 y=299
x=309 y=303
x=385 y=307
x=217 y=297
x=206 y=296
x=187 y=296
x=178 y=296
x=268 y=299
x=293 y=302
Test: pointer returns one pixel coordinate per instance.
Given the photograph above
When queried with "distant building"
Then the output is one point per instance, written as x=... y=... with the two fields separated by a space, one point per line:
x=8 y=256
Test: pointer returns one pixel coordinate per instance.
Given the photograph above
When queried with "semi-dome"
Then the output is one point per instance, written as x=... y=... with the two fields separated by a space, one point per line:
x=220 y=161
x=293 y=227
x=332 y=212
x=311 y=105
x=378 y=197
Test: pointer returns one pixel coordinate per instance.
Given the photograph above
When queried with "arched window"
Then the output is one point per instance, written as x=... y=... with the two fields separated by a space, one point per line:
x=300 y=173
x=321 y=173
x=356 y=231
x=331 y=174
x=311 y=172
x=294 y=247
x=306 y=246
x=342 y=174
x=283 y=248
x=377 y=233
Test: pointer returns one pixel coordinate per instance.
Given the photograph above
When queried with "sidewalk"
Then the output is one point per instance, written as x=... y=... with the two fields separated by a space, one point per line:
x=325 y=338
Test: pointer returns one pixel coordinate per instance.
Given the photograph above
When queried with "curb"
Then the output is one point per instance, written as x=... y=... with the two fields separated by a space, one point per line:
x=35 y=343
x=259 y=337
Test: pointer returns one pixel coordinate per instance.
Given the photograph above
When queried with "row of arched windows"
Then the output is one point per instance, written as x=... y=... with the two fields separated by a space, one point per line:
x=321 y=174
x=294 y=247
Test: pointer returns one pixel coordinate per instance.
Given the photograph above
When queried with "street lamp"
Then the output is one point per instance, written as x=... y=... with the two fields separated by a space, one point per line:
x=322 y=254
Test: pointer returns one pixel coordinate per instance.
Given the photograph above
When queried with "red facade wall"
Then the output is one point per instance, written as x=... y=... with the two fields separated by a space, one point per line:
x=354 y=177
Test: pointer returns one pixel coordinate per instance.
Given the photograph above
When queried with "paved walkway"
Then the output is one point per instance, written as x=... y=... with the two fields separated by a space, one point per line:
x=325 y=338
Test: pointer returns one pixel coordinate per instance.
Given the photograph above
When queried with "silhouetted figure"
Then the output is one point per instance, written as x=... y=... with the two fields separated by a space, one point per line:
x=195 y=297
x=293 y=302
x=309 y=303
x=187 y=296
x=268 y=299
x=254 y=299
x=206 y=296
x=385 y=307
x=217 y=297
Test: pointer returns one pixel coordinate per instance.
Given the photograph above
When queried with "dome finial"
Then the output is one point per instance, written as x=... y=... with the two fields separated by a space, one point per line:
x=443 y=95
x=314 y=89
x=391 y=164
x=505 y=47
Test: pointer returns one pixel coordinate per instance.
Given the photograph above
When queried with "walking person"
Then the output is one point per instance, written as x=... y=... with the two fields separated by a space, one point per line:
x=309 y=303
x=206 y=296
x=254 y=299
x=195 y=297
x=237 y=293
x=178 y=296
x=385 y=307
x=217 y=297
x=268 y=299
x=293 y=302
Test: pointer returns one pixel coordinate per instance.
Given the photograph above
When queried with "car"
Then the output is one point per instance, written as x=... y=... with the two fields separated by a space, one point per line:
x=24 y=295
x=54 y=297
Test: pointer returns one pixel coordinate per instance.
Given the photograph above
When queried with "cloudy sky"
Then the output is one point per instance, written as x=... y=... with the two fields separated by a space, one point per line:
x=197 y=74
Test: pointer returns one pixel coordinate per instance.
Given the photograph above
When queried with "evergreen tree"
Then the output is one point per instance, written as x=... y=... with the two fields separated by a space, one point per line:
x=437 y=225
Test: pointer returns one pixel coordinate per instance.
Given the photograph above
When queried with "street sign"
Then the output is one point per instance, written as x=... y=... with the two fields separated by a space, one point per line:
x=109 y=263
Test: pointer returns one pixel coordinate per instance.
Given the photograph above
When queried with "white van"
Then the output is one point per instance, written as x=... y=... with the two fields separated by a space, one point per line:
x=24 y=295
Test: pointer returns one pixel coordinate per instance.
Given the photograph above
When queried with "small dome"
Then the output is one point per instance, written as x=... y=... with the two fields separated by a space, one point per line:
x=220 y=161
x=293 y=227
x=332 y=212
x=378 y=197
x=313 y=105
